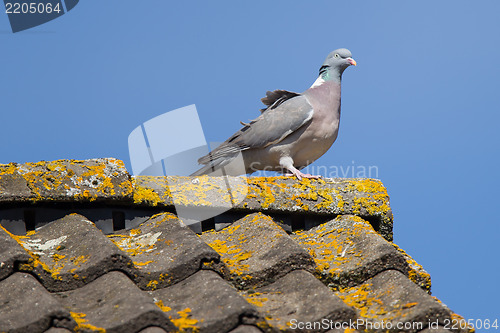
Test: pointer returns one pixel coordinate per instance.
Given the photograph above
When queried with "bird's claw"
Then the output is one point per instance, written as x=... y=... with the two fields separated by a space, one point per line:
x=301 y=175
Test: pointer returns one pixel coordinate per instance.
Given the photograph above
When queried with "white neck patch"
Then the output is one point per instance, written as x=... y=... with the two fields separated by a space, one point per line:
x=319 y=81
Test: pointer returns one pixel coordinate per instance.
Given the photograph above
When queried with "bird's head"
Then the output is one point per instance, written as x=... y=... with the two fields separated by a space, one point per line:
x=335 y=64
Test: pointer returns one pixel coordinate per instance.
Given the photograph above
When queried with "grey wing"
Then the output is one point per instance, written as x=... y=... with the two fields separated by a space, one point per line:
x=269 y=128
x=275 y=98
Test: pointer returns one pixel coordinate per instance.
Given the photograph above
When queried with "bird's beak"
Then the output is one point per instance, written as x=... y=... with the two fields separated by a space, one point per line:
x=351 y=61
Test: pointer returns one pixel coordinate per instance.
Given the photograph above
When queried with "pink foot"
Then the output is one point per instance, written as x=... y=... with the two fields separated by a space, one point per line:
x=301 y=175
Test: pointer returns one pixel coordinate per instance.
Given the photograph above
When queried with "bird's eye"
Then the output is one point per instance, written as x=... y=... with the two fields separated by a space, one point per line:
x=337 y=55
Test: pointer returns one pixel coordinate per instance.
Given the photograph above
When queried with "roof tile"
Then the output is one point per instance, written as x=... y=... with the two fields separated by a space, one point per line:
x=164 y=251
x=334 y=260
x=21 y=294
x=391 y=297
x=113 y=303
x=70 y=252
x=246 y=329
x=363 y=197
x=256 y=251
x=299 y=297
x=204 y=302
x=347 y=251
x=103 y=179
x=11 y=253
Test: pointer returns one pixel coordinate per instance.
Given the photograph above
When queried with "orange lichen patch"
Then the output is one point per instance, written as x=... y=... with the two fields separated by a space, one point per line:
x=185 y=322
x=99 y=179
x=186 y=191
x=409 y=305
x=57 y=178
x=61 y=261
x=364 y=299
x=79 y=260
x=417 y=274
x=145 y=195
x=152 y=285
x=376 y=305
x=145 y=263
x=261 y=189
x=350 y=330
x=163 y=307
x=8 y=169
x=83 y=325
x=233 y=257
x=377 y=200
x=219 y=246
x=202 y=191
x=135 y=232
x=56 y=257
x=331 y=247
x=255 y=298
x=462 y=323
x=34 y=260
x=231 y=243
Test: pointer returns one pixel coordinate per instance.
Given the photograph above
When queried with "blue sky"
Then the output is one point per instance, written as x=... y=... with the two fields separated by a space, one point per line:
x=422 y=105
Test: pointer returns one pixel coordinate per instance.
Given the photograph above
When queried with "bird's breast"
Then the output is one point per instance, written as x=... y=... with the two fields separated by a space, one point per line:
x=322 y=132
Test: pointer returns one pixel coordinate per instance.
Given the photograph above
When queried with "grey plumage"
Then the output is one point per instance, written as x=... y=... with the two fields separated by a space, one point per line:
x=292 y=131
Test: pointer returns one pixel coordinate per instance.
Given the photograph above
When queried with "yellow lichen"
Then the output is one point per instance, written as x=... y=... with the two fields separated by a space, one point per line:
x=184 y=322
x=331 y=247
x=163 y=307
x=229 y=244
x=135 y=232
x=138 y=263
x=362 y=298
x=145 y=195
x=56 y=257
x=152 y=285
x=416 y=273
x=409 y=305
x=79 y=260
x=255 y=298
x=83 y=325
x=57 y=176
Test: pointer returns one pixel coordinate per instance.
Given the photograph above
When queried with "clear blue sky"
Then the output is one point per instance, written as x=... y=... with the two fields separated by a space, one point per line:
x=422 y=105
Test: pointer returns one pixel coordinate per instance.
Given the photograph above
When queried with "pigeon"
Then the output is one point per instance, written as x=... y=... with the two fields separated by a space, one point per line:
x=293 y=130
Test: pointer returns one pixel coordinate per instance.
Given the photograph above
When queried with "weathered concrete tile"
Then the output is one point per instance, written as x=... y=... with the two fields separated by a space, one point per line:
x=363 y=197
x=103 y=179
x=416 y=272
x=390 y=297
x=57 y=330
x=11 y=252
x=298 y=302
x=70 y=252
x=246 y=329
x=153 y=330
x=347 y=251
x=115 y=304
x=164 y=251
x=256 y=251
x=457 y=328
x=26 y=306
x=204 y=302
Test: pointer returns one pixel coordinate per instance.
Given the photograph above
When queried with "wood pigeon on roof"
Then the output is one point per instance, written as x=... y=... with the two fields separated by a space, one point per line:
x=293 y=130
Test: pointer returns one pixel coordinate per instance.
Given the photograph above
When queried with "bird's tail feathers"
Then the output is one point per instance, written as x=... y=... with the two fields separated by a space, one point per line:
x=213 y=165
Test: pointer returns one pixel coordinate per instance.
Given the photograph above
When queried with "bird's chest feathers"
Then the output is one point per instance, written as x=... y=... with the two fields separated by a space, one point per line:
x=325 y=100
